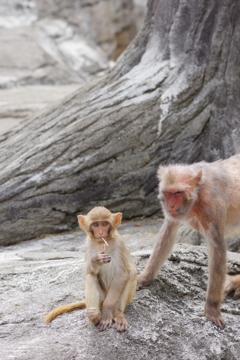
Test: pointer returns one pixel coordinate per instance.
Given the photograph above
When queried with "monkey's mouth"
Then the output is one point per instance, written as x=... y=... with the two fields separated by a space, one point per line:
x=175 y=214
x=99 y=239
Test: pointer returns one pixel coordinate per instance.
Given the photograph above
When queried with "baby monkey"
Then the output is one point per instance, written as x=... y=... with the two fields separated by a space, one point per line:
x=110 y=272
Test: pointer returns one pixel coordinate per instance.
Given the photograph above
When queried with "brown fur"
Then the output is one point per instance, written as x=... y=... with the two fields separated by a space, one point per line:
x=207 y=196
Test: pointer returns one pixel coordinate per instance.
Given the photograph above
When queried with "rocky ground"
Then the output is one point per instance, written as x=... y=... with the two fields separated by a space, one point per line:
x=164 y=321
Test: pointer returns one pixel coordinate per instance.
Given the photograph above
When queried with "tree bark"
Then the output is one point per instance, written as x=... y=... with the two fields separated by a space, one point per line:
x=172 y=97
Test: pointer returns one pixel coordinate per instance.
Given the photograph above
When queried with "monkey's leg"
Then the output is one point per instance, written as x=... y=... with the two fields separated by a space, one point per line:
x=110 y=303
x=94 y=298
x=216 y=279
x=162 y=248
x=233 y=284
x=125 y=298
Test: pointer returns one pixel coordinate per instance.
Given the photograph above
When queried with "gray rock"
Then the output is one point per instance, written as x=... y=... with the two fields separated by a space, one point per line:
x=46 y=44
x=187 y=235
x=61 y=42
x=164 y=319
x=233 y=244
x=21 y=102
x=48 y=52
x=109 y=24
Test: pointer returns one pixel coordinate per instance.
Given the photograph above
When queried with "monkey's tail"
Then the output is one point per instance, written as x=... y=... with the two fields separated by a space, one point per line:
x=64 y=308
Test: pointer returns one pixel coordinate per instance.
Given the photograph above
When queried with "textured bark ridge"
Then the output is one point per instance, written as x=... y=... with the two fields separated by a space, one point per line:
x=173 y=96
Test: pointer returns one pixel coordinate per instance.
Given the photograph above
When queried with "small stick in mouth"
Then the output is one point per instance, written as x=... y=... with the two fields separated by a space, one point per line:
x=104 y=244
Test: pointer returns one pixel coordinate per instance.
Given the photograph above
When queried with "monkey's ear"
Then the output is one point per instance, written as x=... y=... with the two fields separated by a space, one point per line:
x=81 y=221
x=117 y=219
x=196 y=179
x=160 y=172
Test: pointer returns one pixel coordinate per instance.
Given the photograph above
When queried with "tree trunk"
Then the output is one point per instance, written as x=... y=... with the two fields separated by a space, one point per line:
x=172 y=97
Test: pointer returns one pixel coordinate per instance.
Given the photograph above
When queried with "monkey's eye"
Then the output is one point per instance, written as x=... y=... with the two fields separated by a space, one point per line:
x=178 y=192
x=104 y=223
x=95 y=224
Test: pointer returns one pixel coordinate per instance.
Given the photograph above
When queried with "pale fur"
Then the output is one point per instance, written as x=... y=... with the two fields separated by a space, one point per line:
x=121 y=265
x=233 y=284
x=211 y=205
x=111 y=286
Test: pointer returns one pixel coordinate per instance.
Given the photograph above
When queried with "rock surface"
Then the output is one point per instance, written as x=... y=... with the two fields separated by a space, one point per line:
x=49 y=52
x=61 y=42
x=164 y=321
x=46 y=47
x=188 y=235
x=19 y=103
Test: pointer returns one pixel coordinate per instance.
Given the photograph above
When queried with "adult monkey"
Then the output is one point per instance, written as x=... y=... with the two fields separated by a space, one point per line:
x=110 y=272
x=207 y=196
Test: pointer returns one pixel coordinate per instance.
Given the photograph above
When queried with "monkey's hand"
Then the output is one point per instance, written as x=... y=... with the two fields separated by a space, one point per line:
x=232 y=284
x=143 y=280
x=101 y=259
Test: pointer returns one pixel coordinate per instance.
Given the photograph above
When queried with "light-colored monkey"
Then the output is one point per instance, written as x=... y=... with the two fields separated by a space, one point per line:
x=207 y=196
x=110 y=272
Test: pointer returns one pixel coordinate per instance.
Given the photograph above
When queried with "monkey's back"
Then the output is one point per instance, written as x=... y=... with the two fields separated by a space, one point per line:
x=221 y=181
x=232 y=167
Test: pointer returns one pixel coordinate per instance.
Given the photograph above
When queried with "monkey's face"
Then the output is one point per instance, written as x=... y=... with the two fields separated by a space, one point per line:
x=175 y=204
x=178 y=190
x=100 y=229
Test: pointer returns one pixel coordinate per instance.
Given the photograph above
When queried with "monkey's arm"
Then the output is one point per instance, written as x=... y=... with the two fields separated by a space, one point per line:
x=94 y=264
x=111 y=301
x=162 y=248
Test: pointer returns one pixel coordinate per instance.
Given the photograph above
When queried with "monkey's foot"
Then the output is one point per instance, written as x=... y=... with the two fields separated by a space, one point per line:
x=214 y=315
x=106 y=322
x=120 y=322
x=142 y=281
x=94 y=315
x=232 y=284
